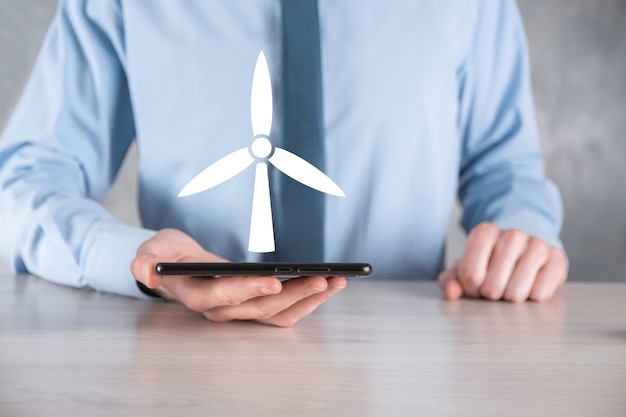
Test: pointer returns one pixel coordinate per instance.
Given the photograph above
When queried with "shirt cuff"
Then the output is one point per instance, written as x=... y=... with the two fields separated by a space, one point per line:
x=110 y=248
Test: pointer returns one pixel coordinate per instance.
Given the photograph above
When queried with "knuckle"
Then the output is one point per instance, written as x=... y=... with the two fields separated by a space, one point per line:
x=225 y=298
x=491 y=292
x=513 y=237
x=217 y=315
x=257 y=309
x=536 y=251
x=559 y=257
x=485 y=232
x=538 y=296
x=470 y=275
x=486 y=227
x=514 y=297
x=536 y=244
x=262 y=314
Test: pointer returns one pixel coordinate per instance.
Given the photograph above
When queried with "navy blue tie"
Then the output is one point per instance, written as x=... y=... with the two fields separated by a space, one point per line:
x=300 y=222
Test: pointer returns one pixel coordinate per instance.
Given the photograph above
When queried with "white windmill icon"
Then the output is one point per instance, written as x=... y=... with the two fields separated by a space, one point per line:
x=261 y=151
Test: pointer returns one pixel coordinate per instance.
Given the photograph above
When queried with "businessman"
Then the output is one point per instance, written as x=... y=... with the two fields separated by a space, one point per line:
x=406 y=107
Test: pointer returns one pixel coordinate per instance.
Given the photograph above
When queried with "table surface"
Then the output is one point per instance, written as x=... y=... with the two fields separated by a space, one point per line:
x=376 y=349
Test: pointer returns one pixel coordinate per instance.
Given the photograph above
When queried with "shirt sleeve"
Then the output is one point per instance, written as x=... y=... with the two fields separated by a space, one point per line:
x=62 y=150
x=502 y=176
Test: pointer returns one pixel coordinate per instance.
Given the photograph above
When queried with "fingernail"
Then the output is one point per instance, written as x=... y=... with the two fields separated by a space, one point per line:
x=312 y=290
x=267 y=291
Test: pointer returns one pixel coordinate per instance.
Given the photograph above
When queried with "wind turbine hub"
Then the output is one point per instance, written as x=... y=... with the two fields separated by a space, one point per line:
x=261 y=148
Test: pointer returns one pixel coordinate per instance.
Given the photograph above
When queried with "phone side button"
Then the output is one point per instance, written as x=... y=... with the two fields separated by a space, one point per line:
x=313 y=270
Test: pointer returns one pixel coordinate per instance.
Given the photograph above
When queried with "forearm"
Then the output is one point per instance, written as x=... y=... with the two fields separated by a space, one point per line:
x=62 y=149
x=53 y=230
x=502 y=176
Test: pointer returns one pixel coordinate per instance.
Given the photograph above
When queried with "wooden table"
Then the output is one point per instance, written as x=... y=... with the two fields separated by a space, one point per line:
x=376 y=349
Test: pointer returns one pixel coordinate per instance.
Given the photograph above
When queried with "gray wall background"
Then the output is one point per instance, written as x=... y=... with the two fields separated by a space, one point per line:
x=578 y=55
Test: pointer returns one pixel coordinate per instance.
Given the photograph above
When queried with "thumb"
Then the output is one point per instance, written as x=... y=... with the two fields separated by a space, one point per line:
x=449 y=283
x=142 y=268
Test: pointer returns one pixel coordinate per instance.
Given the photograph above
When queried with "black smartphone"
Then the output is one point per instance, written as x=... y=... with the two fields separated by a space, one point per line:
x=281 y=269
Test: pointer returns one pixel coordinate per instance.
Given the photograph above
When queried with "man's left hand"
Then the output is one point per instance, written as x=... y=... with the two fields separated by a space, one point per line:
x=504 y=265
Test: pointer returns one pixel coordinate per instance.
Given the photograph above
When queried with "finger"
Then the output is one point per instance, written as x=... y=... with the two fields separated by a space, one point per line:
x=453 y=290
x=550 y=277
x=203 y=294
x=446 y=275
x=304 y=307
x=508 y=249
x=449 y=284
x=525 y=273
x=264 y=308
x=472 y=268
x=142 y=268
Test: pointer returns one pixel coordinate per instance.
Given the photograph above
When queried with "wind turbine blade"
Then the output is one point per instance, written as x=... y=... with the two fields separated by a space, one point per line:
x=220 y=171
x=302 y=171
x=261 y=225
x=261 y=98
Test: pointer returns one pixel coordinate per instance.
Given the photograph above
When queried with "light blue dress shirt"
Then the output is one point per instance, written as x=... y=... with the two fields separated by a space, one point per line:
x=424 y=101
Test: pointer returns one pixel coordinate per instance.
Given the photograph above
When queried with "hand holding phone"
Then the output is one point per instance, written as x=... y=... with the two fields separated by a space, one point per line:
x=260 y=298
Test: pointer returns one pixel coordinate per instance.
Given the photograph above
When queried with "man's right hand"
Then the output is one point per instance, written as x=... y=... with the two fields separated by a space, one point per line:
x=263 y=299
